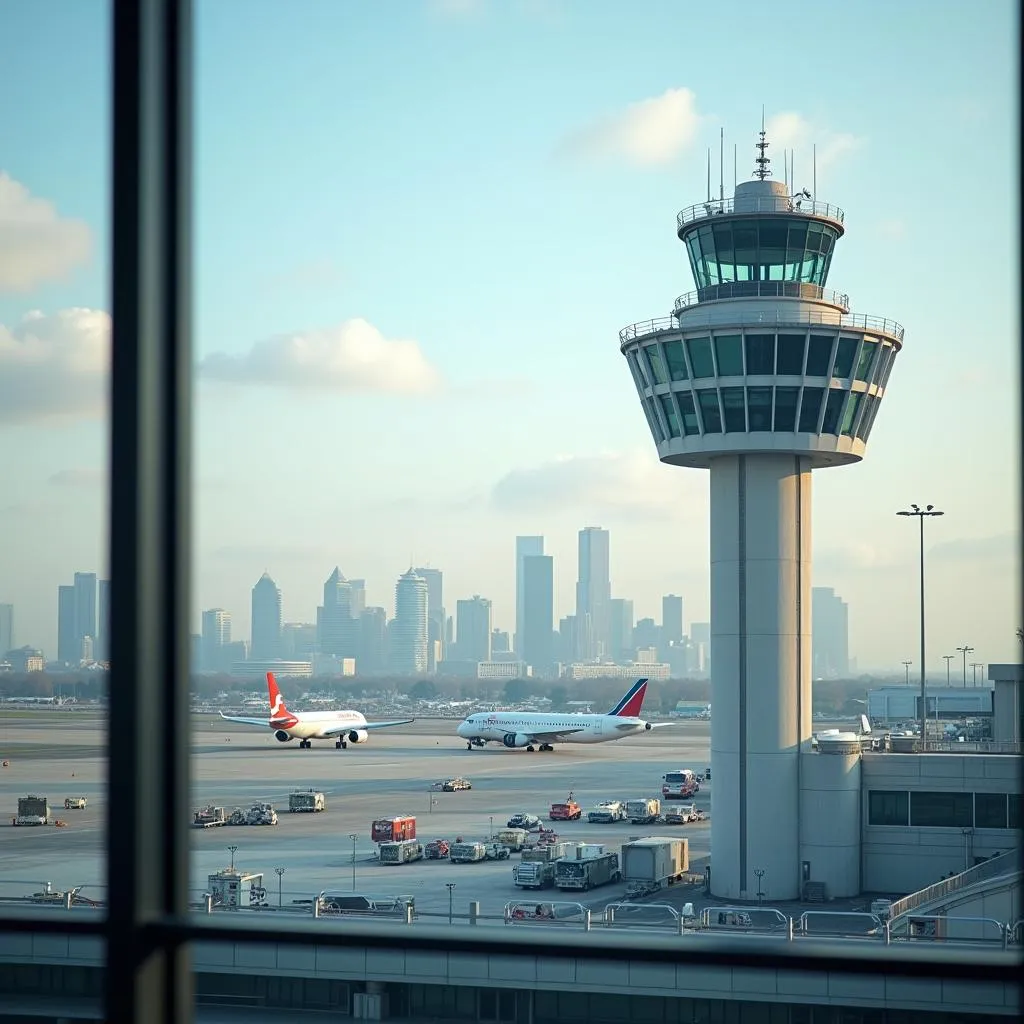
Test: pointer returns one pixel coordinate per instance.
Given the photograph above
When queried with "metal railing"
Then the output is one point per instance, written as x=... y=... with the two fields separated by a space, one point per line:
x=1001 y=864
x=762 y=289
x=852 y=321
x=759 y=204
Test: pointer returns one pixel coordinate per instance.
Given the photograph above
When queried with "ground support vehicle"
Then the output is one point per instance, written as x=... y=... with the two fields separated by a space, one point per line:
x=468 y=853
x=209 y=817
x=607 y=812
x=75 y=803
x=528 y=821
x=544 y=837
x=230 y=888
x=583 y=873
x=401 y=853
x=393 y=830
x=644 y=811
x=375 y=906
x=496 y=851
x=652 y=863
x=683 y=815
x=32 y=810
x=534 y=874
x=679 y=785
x=258 y=814
x=456 y=785
x=437 y=849
x=549 y=852
x=567 y=811
x=306 y=800
x=514 y=838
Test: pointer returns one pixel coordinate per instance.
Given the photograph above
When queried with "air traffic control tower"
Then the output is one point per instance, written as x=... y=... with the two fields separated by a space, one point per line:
x=761 y=375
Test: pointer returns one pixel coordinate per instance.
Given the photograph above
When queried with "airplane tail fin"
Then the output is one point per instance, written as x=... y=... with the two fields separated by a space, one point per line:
x=632 y=702
x=277 y=705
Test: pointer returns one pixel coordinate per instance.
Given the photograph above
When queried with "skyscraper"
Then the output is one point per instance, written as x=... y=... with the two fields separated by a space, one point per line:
x=537 y=590
x=526 y=547
x=215 y=639
x=337 y=629
x=373 y=633
x=357 y=602
x=620 y=630
x=435 y=609
x=407 y=631
x=85 y=604
x=830 y=634
x=473 y=629
x=69 y=644
x=102 y=646
x=593 y=591
x=671 y=619
x=6 y=629
x=266 y=620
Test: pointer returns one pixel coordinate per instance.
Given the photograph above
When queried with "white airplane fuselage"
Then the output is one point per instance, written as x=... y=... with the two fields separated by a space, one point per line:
x=494 y=728
x=314 y=725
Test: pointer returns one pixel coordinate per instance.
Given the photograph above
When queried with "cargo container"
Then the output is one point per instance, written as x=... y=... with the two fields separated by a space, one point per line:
x=534 y=874
x=393 y=830
x=436 y=849
x=587 y=873
x=514 y=838
x=401 y=853
x=230 y=888
x=467 y=853
x=33 y=810
x=307 y=800
x=209 y=817
x=655 y=861
x=548 y=852
x=645 y=811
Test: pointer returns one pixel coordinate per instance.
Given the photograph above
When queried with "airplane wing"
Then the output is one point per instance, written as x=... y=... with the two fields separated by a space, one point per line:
x=653 y=725
x=264 y=722
x=552 y=737
x=337 y=730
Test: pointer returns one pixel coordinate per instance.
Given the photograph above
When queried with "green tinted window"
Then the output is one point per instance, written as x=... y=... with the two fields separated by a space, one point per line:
x=671 y=416
x=638 y=366
x=888 y=807
x=833 y=408
x=729 y=352
x=759 y=408
x=869 y=419
x=867 y=357
x=785 y=409
x=699 y=350
x=845 y=352
x=760 y=354
x=865 y=420
x=789 y=358
x=990 y=810
x=810 y=410
x=942 y=810
x=885 y=360
x=675 y=360
x=689 y=413
x=652 y=418
x=735 y=413
x=850 y=413
x=819 y=355
x=708 y=398
x=657 y=369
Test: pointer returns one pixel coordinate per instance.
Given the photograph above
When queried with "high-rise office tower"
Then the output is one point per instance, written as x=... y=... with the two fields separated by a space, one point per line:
x=266 y=620
x=216 y=637
x=69 y=644
x=101 y=647
x=671 y=619
x=536 y=589
x=830 y=634
x=435 y=609
x=760 y=376
x=337 y=628
x=407 y=632
x=620 y=629
x=473 y=629
x=357 y=599
x=526 y=547
x=85 y=606
x=594 y=590
x=373 y=633
x=6 y=629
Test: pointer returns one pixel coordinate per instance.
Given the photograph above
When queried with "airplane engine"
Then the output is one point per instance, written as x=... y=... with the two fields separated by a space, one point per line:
x=648 y=726
x=282 y=736
x=358 y=736
x=515 y=739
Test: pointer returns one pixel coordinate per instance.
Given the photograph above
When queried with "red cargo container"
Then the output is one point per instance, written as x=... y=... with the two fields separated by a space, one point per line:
x=393 y=830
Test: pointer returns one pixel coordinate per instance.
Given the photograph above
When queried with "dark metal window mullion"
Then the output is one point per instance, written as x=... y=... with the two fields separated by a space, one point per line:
x=148 y=977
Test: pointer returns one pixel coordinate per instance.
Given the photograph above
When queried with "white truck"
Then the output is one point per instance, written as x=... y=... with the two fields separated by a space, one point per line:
x=403 y=852
x=650 y=864
x=467 y=853
x=514 y=838
x=607 y=812
x=583 y=873
x=534 y=874
x=683 y=814
x=645 y=811
x=308 y=801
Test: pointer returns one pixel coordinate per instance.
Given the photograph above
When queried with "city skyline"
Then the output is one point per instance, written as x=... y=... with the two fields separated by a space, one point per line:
x=341 y=357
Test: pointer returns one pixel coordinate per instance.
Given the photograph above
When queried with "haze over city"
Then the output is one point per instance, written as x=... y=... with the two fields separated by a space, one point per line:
x=407 y=340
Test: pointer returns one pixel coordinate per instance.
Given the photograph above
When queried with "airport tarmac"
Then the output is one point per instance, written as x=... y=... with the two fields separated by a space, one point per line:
x=59 y=755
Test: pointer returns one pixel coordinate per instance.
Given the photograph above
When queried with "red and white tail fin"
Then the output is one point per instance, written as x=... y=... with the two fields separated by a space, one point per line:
x=277 y=705
x=632 y=701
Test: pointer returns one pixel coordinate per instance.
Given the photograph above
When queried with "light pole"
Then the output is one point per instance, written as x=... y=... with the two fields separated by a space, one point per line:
x=232 y=849
x=921 y=513
x=451 y=889
x=279 y=872
x=759 y=873
x=975 y=665
x=491 y=833
x=949 y=658
x=965 y=650
x=906 y=668
x=353 y=836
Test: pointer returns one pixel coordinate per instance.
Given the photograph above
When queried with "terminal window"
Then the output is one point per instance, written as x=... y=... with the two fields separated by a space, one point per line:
x=888 y=807
x=942 y=810
x=990 y=810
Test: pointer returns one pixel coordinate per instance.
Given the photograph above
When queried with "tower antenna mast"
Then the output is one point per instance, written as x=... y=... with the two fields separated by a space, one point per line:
x=709 y=174
x=814 y=171
x=721 y=167
x=762 y=160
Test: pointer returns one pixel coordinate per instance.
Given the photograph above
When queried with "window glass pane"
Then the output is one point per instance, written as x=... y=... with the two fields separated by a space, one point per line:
x=759 y=408
x=942 y=810
x=833 y=407
x=814 y=237
x=887 y=357
x=790 y=355
x=671 y=417
x=657 y=367
x=730 y=355
x=888 y=807
x=810 y=410
x=675 y=360
x=689 y=413
x=819 y=355
x=990 y=810
x=865 y=420
x=1013 y=810
x=760 y=354
x=652 y=418
x=850 y=415
x=876 y=404
x=867 y=357
x=700 y=357
x=709 y=413
x=641 y=371
x=735 y=414
x=785 y=409
x=845 y=353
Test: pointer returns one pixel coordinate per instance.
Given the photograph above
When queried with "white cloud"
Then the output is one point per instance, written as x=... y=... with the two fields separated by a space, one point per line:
x=36 y=243
x=54 y=366
x=352 y=357
x=790 y=130
x=630 y=483
x=648 y=133
x=80 y=477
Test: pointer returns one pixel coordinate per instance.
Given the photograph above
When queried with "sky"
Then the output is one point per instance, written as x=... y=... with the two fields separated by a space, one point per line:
x=419 y=228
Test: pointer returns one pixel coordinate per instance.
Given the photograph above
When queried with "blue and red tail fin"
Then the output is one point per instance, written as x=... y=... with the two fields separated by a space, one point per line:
x=632 y=702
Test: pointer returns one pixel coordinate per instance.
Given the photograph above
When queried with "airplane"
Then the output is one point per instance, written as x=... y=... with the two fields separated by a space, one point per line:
x=344 y=727
x=534 y=730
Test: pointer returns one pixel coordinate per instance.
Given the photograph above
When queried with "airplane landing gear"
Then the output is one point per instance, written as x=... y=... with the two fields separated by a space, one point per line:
x=305 y=744
x=469 y=745
x=544 y=747
x=341 y=745
x=530 y=748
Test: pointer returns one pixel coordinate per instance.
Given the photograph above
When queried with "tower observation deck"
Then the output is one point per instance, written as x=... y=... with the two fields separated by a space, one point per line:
x=761 y=374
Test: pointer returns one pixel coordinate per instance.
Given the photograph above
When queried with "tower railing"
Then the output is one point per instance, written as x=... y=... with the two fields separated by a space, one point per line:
x=762 y=289
x=777 y=318
x=759 y=204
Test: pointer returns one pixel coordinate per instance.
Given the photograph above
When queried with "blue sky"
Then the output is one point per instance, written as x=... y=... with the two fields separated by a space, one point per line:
x=432 y=219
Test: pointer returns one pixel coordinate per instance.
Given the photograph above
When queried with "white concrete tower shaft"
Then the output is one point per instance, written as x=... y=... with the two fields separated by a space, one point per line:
x=761 y=375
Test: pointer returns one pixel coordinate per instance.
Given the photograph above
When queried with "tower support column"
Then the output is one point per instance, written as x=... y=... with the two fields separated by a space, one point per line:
x=760 y=670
